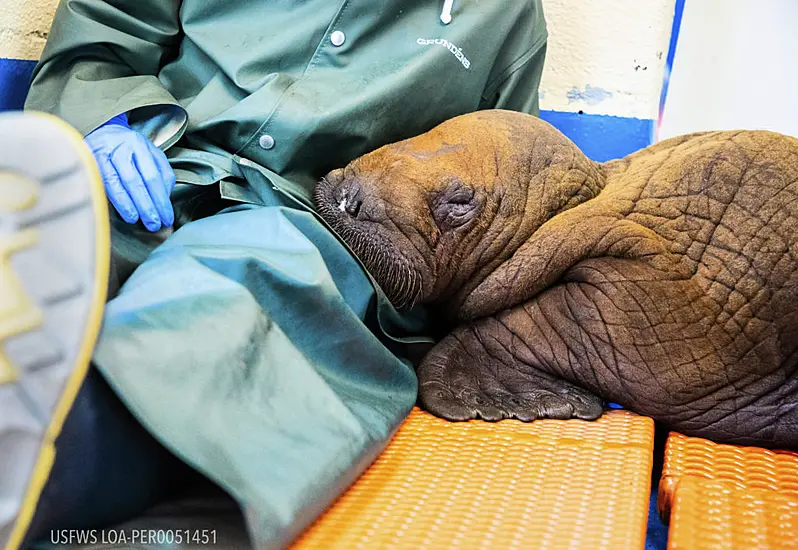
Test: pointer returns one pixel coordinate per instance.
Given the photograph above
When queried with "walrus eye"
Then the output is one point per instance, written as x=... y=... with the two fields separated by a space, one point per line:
x=456 y=205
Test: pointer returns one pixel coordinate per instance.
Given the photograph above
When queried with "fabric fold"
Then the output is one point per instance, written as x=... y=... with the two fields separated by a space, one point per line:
x=213 y=344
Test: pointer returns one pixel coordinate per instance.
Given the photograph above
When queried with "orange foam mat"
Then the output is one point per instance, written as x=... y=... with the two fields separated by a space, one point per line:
x=738 y=467
x=713 y=515
x=728 y=497
x=546 y=485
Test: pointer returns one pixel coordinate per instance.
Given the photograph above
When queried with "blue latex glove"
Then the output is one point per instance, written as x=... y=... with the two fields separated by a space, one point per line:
x=138 y=179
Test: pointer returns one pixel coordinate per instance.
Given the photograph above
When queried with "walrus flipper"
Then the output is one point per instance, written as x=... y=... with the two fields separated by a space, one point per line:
x=472 y=373
x=591 y=230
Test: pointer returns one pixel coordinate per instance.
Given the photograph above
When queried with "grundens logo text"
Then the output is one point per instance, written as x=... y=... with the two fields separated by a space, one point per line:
x=457 y=52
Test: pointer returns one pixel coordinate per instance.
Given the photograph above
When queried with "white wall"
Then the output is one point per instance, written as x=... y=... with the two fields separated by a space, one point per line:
x=606 y=57
x=736 y=66
x=23 y=27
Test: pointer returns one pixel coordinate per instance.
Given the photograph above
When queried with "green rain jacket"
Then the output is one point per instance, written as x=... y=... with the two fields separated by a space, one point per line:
x=210 y=79
x=221 y=342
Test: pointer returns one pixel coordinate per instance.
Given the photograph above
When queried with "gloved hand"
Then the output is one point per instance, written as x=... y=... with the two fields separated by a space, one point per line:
x=138 y=179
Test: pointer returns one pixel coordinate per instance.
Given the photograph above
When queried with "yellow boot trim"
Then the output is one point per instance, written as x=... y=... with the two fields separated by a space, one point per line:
x=18 y=313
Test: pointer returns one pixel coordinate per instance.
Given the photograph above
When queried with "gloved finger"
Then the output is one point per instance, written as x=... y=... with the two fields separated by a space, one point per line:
x=122 y=160
x=115 y=192
x=156 y=186
x=166 y=170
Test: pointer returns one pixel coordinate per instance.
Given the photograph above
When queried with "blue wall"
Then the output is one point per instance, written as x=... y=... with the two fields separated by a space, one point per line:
x=14 y=79
x=602 y=137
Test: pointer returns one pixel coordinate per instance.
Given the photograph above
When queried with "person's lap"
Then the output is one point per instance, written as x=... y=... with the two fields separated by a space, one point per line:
x=242 y=344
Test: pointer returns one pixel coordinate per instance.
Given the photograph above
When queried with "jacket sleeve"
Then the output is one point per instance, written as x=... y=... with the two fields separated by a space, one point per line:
x=517 y=89
x=515 y=79
x=102 y=59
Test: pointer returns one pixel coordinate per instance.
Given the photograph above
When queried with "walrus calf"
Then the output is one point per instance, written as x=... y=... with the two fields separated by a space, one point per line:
x=666 y=281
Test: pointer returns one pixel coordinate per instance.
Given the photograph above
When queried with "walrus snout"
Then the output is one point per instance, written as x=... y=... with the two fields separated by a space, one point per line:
x=364 y=207
x=338 y=195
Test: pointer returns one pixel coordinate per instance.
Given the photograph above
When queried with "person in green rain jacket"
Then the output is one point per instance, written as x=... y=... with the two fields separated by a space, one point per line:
x=250 y=342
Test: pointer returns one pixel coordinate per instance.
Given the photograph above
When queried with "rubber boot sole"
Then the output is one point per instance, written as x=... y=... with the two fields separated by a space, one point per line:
x=54 y=262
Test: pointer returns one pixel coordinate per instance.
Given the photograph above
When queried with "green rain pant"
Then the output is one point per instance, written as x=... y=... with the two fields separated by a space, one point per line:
x=247 y=343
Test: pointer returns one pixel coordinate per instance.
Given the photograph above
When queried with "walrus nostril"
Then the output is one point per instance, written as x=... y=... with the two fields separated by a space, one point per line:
x=350 y=201
x=352 y=206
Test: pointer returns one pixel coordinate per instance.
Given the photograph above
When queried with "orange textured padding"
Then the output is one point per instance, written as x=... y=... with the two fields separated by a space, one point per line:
x=714 y=515
x=739 y=467
x=546 y=485
x=724 y=497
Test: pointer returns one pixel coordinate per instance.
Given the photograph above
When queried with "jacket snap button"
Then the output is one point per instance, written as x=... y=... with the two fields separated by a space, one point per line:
x=267 y=142
x=337 y=38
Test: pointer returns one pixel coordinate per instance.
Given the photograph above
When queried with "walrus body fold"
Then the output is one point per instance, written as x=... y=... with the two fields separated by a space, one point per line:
x=666 y=281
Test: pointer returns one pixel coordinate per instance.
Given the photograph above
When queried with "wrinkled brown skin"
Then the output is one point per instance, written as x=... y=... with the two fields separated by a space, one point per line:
x=666 y=281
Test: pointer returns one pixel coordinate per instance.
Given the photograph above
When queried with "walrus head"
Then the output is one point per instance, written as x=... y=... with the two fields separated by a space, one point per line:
x=431 y=216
